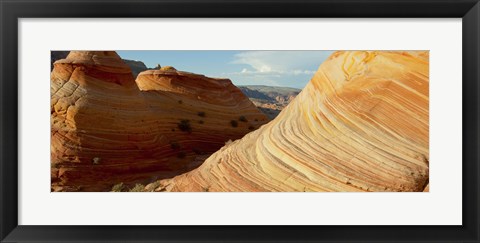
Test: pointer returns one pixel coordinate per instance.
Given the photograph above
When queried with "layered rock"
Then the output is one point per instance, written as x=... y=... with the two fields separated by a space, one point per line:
x=106 y=128
x=135 y=66
x=361 y=124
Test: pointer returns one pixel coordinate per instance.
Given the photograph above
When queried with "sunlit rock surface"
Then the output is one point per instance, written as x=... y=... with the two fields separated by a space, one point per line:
x=107 y=128
x=361 y=124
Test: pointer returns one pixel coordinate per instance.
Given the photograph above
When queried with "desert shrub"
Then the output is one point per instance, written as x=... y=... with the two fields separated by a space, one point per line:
x=242 y=118
x=174 y=145
x=201 y=113
x=251 y=128
x=184 y=125
x=180 y=102
x=173 y=129
x=234 y=123
x=54 y=165
x=154 y=185
x=181 y=155
x=96 y=160
x=118 y=187
x=201 y=122
x=138 y=188
x=256 y=119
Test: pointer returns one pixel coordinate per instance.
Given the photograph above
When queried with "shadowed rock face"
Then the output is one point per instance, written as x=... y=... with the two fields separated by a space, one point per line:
x=361 y=124
x=108 y=128
x=136 y=66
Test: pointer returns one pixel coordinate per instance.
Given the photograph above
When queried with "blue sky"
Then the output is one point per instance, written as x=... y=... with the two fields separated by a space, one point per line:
x=273 y=68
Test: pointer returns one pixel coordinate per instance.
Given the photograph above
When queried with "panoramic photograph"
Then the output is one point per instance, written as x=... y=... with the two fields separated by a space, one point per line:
x=239 y=121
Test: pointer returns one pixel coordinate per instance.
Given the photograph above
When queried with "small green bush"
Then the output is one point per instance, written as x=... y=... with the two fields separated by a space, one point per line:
x=154 y=185
x=201 y=114
x=118 y=187
x=184 y=125
x=234 y=123
x=242 y=118
x=138 y=188
x=96 y=160
x=54 y=165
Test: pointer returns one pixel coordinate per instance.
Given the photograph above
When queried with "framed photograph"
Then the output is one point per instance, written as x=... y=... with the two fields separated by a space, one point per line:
x=228 y=121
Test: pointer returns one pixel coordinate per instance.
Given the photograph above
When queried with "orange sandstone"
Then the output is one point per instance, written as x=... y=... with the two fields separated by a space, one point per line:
x=361 y=124
x=108 y=128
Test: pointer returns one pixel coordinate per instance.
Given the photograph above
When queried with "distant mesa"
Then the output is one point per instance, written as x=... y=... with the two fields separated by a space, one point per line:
x=361 y=124
x=108 y=128
x=135 y=66
x=270 y=100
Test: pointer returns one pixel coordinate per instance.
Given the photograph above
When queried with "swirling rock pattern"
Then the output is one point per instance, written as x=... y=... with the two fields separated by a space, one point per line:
x=361 y=124
x=107 y=127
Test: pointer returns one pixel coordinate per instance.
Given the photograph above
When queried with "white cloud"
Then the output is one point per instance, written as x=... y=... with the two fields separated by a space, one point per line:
x=280 y=62
x=273 y=73
x=276 y=68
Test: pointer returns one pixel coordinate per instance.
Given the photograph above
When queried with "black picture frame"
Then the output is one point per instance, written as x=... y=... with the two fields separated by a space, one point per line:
x=12 y=10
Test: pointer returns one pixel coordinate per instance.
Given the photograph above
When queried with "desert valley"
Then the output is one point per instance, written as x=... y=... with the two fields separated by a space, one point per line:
x=360 y=124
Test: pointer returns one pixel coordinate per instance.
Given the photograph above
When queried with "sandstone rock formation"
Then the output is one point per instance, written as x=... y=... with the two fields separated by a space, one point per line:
x=106 y=128
x=135 y=66
x=361 y=124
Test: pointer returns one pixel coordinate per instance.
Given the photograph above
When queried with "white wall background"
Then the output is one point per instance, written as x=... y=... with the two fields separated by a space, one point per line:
x=441 y=206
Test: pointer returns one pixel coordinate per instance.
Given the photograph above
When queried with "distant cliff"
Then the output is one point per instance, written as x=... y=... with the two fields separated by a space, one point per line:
x=136 y=66
x=270 y=99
